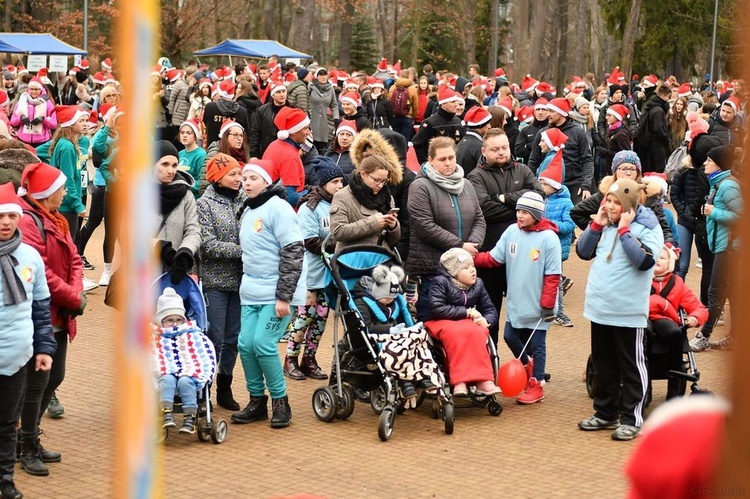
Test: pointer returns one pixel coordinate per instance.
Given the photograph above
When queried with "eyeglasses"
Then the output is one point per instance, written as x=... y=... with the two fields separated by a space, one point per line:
x=173 y=322
x=627 y=169
x=237 y=135
x=378 y=182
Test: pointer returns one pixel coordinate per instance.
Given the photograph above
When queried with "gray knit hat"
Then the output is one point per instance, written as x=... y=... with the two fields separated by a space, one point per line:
x=455 y=260
x=386 y=282
x=532 y=202
x=170 y=303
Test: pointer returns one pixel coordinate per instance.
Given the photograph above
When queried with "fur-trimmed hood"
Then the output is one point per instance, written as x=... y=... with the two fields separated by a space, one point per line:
x=369 y=142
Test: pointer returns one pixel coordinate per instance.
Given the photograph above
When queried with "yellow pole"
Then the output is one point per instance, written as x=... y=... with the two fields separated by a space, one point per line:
x=136 y=470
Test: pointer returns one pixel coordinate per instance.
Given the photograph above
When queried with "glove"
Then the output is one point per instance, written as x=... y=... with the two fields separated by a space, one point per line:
x=36 y=120
x=165 y=252
x=331 y=246
x=81 y=307
x=25 y=121
x=548 y=315
x=182 y=263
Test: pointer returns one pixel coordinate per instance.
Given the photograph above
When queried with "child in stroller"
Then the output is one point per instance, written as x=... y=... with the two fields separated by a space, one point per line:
x=184 y=360
x=385 y=314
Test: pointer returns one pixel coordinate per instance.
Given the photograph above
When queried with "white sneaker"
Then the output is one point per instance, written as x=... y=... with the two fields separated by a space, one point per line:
x=89 y=285
x=106 y=276
x=699 y=263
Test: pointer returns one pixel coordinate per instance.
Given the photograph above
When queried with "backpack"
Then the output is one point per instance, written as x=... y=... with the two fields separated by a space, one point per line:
x=400 y=101
x=676 y=162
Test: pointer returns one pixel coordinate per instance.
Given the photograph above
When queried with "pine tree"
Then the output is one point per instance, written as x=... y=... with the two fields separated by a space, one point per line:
x=364 y=46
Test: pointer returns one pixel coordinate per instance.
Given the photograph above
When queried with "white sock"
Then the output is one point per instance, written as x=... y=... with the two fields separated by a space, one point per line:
x=108 y=267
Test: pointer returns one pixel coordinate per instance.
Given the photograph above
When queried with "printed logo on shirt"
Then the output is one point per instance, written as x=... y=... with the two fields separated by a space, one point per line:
x=535 y=254
x=513 y=248
x=27 y=274
x=183 y=165
x=325 y=223
x=258 y=225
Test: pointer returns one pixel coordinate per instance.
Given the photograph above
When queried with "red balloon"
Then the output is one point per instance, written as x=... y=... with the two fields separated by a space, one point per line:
x=511 y=378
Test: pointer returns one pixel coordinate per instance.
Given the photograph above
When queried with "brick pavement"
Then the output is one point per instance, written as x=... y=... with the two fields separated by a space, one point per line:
x=529 y=451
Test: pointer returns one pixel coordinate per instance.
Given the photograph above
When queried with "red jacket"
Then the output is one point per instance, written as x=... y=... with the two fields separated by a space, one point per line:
x=679 y=296
x=62 y=266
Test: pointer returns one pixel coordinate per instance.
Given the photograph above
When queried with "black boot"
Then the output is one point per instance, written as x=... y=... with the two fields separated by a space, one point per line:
x=48 y=456
x=255 y=410
x=8 y=488
x=31 y=461
x=282 y=413
x=224 y=395
x=292 y=369
x=311 y=368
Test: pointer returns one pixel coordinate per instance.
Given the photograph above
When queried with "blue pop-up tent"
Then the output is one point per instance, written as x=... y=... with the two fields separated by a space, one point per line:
x=36 y=43
x=258 y=49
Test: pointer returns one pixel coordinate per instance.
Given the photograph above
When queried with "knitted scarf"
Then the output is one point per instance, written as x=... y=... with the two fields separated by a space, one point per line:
x=13 y=290
x=60 y=221
x=365 y=196
x=275 y=189
x=170 y=196
x=452 y=184
x=314 y=196
x=40 y=111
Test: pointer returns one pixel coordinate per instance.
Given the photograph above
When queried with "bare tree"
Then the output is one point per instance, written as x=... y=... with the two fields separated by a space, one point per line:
x=300 y=30
x=628 y=38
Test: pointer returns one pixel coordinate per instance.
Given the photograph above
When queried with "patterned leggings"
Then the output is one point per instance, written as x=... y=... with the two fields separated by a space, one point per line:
x=307 y=325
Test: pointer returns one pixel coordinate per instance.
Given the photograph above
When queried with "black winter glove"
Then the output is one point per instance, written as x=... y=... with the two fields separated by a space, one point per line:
x=25 y=121
x=548 y=314
x=183 y=262
x=165 y=252
x=36 y=120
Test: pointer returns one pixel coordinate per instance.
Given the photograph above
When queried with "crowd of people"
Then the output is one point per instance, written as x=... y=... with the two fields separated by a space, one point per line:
x=262 y=168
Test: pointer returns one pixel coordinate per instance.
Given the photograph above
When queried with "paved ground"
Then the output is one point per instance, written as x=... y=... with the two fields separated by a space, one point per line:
x=533 y=451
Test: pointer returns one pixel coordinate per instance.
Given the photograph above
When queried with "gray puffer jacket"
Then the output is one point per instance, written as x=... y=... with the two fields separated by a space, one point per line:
x=179 y=105
x=221 y=253
x=181 y=227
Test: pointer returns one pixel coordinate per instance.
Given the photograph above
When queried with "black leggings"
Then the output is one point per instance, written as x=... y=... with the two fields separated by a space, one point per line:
x=41 y=385
x=101 y=209
x=73 y=221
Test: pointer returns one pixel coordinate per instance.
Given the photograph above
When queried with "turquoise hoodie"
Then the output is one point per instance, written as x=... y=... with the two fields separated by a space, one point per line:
x=726 y=197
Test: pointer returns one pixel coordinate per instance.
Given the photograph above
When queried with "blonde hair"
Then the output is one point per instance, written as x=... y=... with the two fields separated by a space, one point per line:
x=106 y=92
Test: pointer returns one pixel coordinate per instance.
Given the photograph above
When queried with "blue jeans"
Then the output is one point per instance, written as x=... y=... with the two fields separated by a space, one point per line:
x=423 y=302
x=403 y=125
x=223 y=312
x=258 y=347
x=516 y=338
x=686 y=236
x=186 y=388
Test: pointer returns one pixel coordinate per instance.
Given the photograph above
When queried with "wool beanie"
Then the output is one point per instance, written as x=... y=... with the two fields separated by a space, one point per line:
x=326 y=169
x=386 y=282
x=9 y=202
x=723 y=156
x=220 y=165
x=169 y=303
x=696 y=124
x=533 y=203
x=581 y=101
x=262 y=167
x=40 y=180
x=165 y=148
x=627 y=192
x=302 y=73
x=455 y=260
x=626 y=157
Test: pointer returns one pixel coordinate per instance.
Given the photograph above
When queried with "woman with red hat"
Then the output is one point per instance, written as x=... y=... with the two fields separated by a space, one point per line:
x=43 y=227
x=34 y=116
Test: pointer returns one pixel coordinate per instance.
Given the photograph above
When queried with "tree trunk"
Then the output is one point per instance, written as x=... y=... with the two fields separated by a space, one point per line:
x=562 y=47
x=8 y=16
x=416 y=33
x=300 y=29
x=628 y=38
x=470 y=48
x=345 y=51
x=579 y=53
x=494 y=37
x=269 y=15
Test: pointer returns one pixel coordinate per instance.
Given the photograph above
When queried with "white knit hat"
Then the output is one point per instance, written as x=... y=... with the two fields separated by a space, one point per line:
x=169 y=303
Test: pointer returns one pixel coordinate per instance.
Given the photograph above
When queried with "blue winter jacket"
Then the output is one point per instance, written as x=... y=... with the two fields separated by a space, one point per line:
x=727 y=200
x=558 y=210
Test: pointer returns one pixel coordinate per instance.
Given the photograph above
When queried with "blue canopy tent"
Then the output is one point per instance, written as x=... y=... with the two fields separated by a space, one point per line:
x=36 y=43
x=257 y=49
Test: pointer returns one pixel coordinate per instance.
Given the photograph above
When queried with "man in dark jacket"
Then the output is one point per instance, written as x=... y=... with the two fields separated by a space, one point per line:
x=469 y=150
x=579 y=163
x=225 y=108
x=499 y=182
x=262 y=130
x=652 y=139
x=525 y=140
x=444 y=123
x=726 y=125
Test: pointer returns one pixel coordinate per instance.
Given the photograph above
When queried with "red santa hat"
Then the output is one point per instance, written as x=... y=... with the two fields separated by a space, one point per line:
x=498 y=72
x=375 y=82
x=226 y=89
x=98 y=78
x=9 y=202
x=525 y=114
x=618 y=111
x=477 y=117
x=11 y=69
x=107 y=64
x=684 y=90
x=352 y=98
x=93 y=120
x=68 y=115
x=262 y=167
x=214 y=89
x=83 y=65
x=733 y=102
x=36 y=82
x=40 y=180
x=553 y=174
x=277 y=86
x=446 y=95
x=554 y=138
x=679 y=449
x=541 y=103
x=649 y=81
x=347 y=126
x=342 y=75
x=351 y=83
x=22 y=70
x=4 y=101
x=506 y=105
x=578 y=82
x=614 y=78
x=204 y=82
x=383 y=65
x=195 y=125
x=110 y=79
x=106 y=111
x=397 y=67
x=173 y=75
x=543 y=87
x=290 y=120
x=452 y=82
x=226 y=126
x=157 y=70
x=528 y=83
x=559 y=105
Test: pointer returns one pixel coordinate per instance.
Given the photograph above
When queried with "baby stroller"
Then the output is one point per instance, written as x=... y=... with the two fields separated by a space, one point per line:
x=357 y=363
x=195 y=311
x=657 y=366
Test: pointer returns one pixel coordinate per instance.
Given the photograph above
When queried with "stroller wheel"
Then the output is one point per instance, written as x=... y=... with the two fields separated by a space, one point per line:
x=378 y=399
x=590 y=376
x=494 y=407
x=435 y=411
x=204 y=431
x=346 y=402
x=385 y=423
x=219 y=431
x=448 y=417
x=324 y=404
